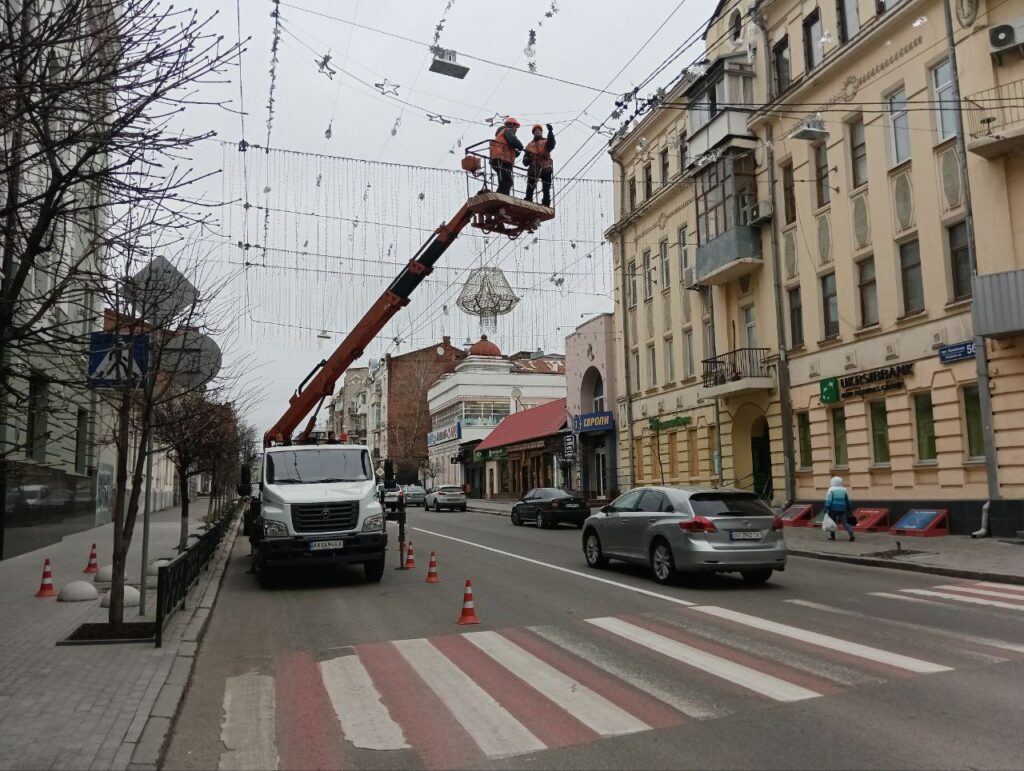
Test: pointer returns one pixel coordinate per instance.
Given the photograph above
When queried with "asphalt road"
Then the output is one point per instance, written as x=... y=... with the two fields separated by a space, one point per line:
x=826 y=666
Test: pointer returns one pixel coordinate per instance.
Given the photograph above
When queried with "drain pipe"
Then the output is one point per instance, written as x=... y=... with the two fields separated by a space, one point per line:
x=623 y=300
x=983 y=531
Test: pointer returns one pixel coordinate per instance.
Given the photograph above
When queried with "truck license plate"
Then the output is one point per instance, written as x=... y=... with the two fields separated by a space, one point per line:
x=746 y=535
x=322 y=545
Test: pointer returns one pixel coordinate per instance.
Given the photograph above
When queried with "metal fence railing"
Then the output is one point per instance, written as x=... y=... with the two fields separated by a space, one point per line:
x=735 y=365
x=995 y=109
x=176 y=579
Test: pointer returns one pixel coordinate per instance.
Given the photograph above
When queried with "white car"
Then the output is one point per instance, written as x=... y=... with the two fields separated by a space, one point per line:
x=445 y=497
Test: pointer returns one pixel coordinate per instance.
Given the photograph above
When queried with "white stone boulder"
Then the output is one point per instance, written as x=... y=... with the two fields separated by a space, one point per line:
x=154 y=567
x=77 y=591
x=104 y=575
x=131 y=598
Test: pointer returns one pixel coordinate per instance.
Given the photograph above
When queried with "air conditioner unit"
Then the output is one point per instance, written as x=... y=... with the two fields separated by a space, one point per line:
x=812 y=129
x=758 y=213
x=1004 y=38
x=688 y=277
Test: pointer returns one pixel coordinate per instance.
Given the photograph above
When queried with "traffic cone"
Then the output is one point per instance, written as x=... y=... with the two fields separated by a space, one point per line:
x=46 y=585
x=92 y=567
x=468 y=609
x=410 y=558
x=432 y=570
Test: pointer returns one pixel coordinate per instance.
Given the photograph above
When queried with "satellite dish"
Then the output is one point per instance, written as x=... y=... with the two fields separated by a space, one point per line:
x=440 y=350
x=517 y=393
x=191 y=359
x=161 y=292
x=374 y=364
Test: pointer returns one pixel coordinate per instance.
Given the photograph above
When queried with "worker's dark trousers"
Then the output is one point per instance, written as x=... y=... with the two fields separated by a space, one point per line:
x=504 y=171
x=531 y=183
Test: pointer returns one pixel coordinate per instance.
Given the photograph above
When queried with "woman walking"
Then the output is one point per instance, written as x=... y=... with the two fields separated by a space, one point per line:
x=839 y=507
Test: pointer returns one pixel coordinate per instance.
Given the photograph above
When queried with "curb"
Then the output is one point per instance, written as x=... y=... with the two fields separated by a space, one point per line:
x=976 y=575
x=148 y=749
x=492 y=512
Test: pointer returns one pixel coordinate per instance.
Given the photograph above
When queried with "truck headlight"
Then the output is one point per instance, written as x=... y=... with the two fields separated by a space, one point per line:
x=373 y=524
x=272 y=529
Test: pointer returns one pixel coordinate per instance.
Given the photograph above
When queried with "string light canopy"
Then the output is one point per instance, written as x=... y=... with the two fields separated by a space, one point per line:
x=487 y=295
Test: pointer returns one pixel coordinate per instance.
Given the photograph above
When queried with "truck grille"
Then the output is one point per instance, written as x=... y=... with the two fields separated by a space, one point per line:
x=323 y=517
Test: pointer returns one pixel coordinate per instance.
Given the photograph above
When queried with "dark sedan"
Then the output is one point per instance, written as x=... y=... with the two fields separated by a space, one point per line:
x=549 y=506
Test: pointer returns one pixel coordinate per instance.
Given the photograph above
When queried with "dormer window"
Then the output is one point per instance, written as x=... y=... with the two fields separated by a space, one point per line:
x=736 y=25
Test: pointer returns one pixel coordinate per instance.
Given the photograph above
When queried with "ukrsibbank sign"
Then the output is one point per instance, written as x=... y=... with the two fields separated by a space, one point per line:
x=443 y=435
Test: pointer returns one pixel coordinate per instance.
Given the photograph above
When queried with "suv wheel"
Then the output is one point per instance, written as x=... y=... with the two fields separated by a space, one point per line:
x=756 y=576
x=663 y=564
x=542 y=521
x=592 y=551
x=374 y=570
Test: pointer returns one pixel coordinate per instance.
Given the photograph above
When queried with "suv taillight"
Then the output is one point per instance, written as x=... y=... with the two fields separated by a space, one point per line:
x=698 y=524
x=777 y=522
x=554 y=504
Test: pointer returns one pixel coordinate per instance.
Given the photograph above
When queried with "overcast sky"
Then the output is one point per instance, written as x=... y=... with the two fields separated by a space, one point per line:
x=338 y=230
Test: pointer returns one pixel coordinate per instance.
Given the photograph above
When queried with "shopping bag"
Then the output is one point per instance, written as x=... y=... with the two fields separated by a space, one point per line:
x=828 y=524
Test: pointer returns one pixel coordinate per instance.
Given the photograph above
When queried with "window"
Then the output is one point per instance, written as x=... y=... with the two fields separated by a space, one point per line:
x=692 y=457
x=82 y=441
x=788 y=194
x=716 y=460
x=652 y=367
x=648 y=276
x=879 y=417
x=814 y=49
x=736 y=25
x=972 y=417
x=848 y=18
x=638 y=477
x=709 y=340
x=959 y=261
x=830 y=305
x=666 y=269
x=664 y=167
x=688 y=354
x=632 y=193
x=899 y=126
x=858 y=154
x=910 y=270
x=684 y=254
x=599 y=394
x=782 y=69
x=38 y=412
x=924 y=426
x=632 y=283
x=803 y=432
x=648 y=182
x=823 y=192
x=867 y=292
x=636 y=370
x=839 y=446
x=670 y=361
x=705 y=105
x=673 y=455
x=682 y=151
x=721 y=187
x=750 y=326
x=796 y=318
x=945 y=111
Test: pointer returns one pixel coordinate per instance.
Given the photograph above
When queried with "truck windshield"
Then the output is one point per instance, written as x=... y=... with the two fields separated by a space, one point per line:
x=294 y=467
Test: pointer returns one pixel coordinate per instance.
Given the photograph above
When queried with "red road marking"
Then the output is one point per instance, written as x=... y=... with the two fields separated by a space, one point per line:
x=308 y=735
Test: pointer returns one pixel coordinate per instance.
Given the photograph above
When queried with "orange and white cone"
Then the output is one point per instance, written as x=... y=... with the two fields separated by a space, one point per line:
x=92 y=567
x=432 y=570
x=46 y=585
x=468 y=608
x=410 y=558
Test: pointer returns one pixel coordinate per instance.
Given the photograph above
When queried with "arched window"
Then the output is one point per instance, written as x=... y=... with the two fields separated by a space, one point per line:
x=736 y=25
x=598 y=394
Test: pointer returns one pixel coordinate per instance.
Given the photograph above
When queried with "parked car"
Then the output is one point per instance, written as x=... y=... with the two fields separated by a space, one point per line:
x=394 y=501
x=688 y=529
x=446 y=497
x=414 y=495
x=549 y=507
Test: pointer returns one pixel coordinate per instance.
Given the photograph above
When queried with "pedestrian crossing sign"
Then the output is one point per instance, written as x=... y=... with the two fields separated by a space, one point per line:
x=116 y=361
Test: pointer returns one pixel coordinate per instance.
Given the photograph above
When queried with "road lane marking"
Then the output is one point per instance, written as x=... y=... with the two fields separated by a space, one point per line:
x=490 y=725
x=825 y=641
x=965 y=598
x=982 y=592
x=248 y=728
x=588 y=576
x=1012 y=588
x=364 y=719
x=905 y=598
x=751 y=679
x=590 y=708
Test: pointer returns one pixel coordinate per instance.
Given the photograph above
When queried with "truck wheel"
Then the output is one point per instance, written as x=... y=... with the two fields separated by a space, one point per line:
x=374 y=570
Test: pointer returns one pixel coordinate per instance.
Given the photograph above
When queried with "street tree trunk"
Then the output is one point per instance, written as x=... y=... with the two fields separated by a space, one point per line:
x=183 y=484
x=116 y=616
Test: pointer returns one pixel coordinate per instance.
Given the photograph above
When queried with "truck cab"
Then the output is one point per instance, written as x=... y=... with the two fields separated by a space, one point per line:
x=317 y=504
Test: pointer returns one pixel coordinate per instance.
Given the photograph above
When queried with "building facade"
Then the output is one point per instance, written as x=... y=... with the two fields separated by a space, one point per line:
x=590 y=398
x=832 y=257
x=527 y=450
x=348 y=409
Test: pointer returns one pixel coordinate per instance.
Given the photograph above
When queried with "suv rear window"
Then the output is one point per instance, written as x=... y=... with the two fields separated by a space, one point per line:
x=450 y=488
x=729 y=505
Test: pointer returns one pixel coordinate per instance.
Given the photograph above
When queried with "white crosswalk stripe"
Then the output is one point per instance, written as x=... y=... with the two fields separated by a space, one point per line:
x=1012 y=588
x=999 y=595
x=969 y=600
x=363 y=718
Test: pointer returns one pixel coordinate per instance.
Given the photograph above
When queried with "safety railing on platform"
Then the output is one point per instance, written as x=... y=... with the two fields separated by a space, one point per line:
x=477 y=165
x=176 y=579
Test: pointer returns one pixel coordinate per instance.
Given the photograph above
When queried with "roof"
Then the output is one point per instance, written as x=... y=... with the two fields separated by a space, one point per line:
x=544 y=366
x=534 y=423
x=484 y=347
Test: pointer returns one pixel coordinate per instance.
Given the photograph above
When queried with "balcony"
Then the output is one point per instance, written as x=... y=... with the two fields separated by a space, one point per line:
x=738 y=372
x=727 y=257
x=728 y=126
x=995 y=119
x=998 y=307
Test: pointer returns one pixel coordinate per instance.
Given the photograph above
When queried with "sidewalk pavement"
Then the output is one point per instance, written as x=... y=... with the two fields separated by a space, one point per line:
x=983 y=559
x=86 y=706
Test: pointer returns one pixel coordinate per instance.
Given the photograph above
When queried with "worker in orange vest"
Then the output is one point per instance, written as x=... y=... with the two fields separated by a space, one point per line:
x=505 y=147
x=538 y=161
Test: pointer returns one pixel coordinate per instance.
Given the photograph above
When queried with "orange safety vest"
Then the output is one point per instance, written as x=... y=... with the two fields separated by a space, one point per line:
x=500 y=148
x=538 y=148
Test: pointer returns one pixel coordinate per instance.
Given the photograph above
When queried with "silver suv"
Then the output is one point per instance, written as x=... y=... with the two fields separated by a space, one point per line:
x=445 y=497
x=692 y=529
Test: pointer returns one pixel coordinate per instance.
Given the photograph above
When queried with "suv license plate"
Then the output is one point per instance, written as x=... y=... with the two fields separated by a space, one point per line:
x=323 y=545
x=746 y=535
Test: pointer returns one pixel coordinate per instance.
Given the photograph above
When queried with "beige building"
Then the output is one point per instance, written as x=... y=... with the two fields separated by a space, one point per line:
x=823 y=202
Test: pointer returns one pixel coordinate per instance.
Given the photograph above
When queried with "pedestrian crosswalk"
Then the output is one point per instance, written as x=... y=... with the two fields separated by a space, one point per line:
x=460 y=700
x=986 y=594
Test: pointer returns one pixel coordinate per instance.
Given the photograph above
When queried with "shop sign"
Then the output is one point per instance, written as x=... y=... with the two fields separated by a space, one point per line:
x=829 y=390
x=448 y=434
x=865 y=383
x=957 y=352
x=568 y=446
x=529 y=446
x=592 y=421
x=478 y=457
x=659 y=425
x=499 y=454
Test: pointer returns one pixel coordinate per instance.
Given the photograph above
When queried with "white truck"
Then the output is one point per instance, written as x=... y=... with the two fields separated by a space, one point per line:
x=317 y=504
